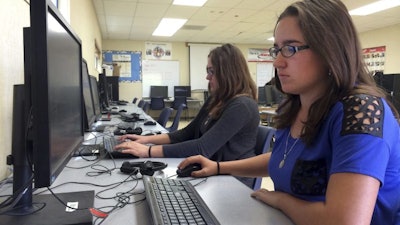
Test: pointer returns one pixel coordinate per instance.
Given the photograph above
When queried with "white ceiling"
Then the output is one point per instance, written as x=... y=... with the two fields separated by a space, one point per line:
x=218 y=21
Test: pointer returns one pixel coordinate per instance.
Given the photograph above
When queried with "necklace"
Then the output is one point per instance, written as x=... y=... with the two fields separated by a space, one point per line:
x=286 y=153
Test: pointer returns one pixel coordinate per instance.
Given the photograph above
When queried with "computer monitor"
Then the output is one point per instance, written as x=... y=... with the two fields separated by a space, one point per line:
x=103 y=92
x=262 y=100
x=158 y=91
x=96 y=97
x=48 y=124
x=184 y=91
x=89 y=114
x=113 y=88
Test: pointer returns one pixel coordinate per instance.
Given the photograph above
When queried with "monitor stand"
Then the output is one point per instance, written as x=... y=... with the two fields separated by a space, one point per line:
x=54 y=212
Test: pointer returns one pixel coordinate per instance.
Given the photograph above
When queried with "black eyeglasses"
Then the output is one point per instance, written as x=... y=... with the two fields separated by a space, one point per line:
x=210 y=71
x=286 y=51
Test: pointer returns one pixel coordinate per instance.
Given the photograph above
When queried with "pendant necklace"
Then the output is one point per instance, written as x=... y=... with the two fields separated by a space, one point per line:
x=286 y=153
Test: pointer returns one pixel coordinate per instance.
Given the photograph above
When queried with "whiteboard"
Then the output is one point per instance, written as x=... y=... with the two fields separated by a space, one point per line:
x=161 y=73
x=198 y=56
x=265 y=72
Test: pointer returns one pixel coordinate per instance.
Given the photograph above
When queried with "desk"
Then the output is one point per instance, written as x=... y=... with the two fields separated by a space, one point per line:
x=130 y=108
x=227 y=197
x=267 y=115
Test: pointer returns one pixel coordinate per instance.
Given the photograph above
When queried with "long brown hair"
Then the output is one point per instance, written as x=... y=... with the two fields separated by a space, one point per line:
x=233 y=76
x=329 y=31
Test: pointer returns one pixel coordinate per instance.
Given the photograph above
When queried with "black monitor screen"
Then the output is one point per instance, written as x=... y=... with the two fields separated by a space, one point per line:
x=262 y=100
x=53 y=129
x=90 y=116
x=56 y=93
x=95 y=94
x=158 y=91
x=103 y=92
x=182 y=91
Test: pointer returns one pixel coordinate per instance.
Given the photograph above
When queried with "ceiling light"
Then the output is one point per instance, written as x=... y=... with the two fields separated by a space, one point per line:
x=168 y=27
x=198 y=3
x=375 y=7
x=271 y=39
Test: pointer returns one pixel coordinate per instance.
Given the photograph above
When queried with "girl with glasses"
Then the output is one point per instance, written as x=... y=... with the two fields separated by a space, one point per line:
x=336 y=158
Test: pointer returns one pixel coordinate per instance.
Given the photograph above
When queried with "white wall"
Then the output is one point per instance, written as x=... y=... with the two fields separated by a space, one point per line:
x=11 y=68
x=389 y=37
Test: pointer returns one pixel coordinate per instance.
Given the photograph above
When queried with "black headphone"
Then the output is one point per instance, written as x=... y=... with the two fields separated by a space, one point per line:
x=129 y=130
x=145 y=168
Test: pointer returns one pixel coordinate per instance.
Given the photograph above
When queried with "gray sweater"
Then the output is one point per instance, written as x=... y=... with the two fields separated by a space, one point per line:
x=232 y=136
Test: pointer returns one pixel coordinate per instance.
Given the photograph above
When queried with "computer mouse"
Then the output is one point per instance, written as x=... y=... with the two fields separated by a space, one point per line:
x=149 y=123
x=122 y=110
x=187 y=171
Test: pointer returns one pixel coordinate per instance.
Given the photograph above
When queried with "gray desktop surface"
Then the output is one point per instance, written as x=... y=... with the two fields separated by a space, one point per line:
x=227 y=197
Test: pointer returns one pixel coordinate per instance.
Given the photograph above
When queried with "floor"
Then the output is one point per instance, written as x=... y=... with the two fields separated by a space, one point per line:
x=266 y=183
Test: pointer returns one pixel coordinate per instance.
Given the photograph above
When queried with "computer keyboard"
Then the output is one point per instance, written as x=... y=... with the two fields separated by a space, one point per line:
x=174 y=201
x=109 y=142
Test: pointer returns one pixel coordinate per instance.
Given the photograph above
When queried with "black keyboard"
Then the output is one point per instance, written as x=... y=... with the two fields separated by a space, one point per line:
x=174 y=201
x=109 y=142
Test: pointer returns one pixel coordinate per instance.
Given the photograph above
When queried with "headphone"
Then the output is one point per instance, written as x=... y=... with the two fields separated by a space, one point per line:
x=145 y=168
x=129 y=130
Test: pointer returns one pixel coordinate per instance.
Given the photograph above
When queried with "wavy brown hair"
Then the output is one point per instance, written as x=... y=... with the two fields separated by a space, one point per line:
x=329 y=31
x=233 y=76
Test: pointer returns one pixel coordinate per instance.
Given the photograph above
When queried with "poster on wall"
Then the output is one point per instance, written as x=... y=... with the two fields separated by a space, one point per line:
x=259 y=55
x=125 y=64
x=375 y=58
x=158 y=50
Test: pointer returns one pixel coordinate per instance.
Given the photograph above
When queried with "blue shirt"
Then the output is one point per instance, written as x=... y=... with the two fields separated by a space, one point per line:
x=345 y=144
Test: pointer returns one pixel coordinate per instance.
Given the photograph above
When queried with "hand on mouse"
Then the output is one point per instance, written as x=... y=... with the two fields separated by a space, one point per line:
x=208 y=167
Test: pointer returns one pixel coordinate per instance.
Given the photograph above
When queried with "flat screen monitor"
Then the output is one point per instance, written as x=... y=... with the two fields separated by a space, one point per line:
x=158 y=91
x=89 y=113
x=45 y=141
x=95 y=95
x=184 y=91
x=262 y=100
x=104 y=92
x=113 y=87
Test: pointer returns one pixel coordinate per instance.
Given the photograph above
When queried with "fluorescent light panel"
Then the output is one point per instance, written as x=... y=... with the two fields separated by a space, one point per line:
x=375 y=7
x=168 y=27
x=197 y=3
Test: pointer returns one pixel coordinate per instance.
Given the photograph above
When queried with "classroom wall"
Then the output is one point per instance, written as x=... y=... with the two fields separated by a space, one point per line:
x=389 y=37
x=14 y=15
x=180 y=52
x=84 y=22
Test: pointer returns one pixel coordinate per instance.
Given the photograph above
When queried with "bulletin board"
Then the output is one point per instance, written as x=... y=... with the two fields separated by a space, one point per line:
x=159 y=72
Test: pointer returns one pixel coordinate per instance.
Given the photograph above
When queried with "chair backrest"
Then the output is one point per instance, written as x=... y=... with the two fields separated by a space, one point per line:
x=263 y=144
x=157 y=103
x=178 y=100
x=164 y=116
x=175 y=122
x=134 y=100
x=146 y=107
x=141 y=103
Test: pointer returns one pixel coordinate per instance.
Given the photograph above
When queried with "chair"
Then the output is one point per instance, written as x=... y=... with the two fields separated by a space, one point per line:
x=146 y=107
x=157 y=103
x=263 y=144
x=134 y=100
x=141 y=103
x=164 y=116
x=178 y=101
x=175 y=122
